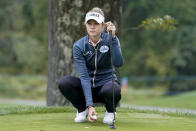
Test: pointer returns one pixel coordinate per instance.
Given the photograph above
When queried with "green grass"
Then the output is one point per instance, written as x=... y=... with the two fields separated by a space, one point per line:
x=29 y=118
x=151 y=97
x=23 y=86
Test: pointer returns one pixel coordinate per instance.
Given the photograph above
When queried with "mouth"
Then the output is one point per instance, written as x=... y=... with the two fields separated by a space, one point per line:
x=92 y=31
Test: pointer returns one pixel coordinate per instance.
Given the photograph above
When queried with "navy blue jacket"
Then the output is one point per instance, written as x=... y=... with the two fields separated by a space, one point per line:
x=93 y=63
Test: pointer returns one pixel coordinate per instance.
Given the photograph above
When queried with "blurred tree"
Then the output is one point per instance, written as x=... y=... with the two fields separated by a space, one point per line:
x=66 y=20
x=23 y=36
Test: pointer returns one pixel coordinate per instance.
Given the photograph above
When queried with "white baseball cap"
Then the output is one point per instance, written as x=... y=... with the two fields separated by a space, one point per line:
x=94 y=16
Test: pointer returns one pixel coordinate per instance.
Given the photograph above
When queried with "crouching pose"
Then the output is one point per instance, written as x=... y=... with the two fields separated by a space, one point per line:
x=92 y=59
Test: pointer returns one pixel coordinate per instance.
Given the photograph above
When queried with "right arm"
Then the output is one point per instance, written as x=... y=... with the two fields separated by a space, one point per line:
x=80 y=64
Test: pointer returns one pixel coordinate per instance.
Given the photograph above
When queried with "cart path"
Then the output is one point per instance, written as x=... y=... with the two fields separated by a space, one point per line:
x=160 y=109
x=23 y=102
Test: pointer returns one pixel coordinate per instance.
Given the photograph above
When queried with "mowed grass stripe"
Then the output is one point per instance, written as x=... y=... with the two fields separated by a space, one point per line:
x=125 y=122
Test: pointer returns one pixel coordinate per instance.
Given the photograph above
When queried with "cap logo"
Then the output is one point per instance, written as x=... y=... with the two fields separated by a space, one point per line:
x=93 y=14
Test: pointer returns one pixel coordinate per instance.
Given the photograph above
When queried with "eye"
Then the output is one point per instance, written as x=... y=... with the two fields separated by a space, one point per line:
x=89 y=23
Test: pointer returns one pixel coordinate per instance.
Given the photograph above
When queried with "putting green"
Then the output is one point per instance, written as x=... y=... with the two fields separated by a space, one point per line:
x=125 y=122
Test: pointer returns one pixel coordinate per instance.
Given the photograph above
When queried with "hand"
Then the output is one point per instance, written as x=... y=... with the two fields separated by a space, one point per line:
x=110 y=27
x=91 y=112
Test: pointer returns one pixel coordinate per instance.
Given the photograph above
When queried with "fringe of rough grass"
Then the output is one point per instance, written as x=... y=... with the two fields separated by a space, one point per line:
x=23 y=109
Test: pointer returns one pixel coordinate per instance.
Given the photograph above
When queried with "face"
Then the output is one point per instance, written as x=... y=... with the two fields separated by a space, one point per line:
x=93 y=28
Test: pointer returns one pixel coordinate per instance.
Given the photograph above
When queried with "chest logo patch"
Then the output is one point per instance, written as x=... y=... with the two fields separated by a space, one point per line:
x=104 y=49
x=87 y=53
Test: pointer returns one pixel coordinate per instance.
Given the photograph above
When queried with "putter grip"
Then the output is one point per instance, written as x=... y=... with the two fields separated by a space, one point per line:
x=110 y=32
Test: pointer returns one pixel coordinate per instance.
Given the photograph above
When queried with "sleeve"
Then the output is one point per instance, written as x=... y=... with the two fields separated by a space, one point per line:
x=80 y=64
x=117 y=57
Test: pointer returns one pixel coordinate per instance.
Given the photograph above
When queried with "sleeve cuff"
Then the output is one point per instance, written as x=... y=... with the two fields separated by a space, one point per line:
x=90 y=104
x=114 y=38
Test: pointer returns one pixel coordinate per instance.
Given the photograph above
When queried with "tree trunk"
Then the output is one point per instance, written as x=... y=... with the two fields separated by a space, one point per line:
x=66 y=22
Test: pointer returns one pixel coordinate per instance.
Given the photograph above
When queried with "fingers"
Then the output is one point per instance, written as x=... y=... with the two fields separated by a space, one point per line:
x=95 y=113
x=109 y=23
x=91 y=113
x=91 y=118
x=110 y=27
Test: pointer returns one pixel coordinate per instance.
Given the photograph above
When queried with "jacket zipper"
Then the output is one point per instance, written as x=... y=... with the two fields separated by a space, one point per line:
x=95 y=66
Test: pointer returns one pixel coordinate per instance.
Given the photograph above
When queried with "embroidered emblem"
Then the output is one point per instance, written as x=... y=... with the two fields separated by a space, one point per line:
x=104 y=49
x=87 y=53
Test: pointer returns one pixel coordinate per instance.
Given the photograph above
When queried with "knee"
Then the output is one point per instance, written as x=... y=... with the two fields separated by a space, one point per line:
x=117 y=92
x=64 y=83
x=108 y=92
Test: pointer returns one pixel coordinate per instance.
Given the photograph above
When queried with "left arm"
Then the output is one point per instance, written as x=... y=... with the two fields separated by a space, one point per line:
x=117 y=58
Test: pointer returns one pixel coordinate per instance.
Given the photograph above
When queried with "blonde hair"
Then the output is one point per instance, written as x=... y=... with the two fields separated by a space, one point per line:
x=97 y=10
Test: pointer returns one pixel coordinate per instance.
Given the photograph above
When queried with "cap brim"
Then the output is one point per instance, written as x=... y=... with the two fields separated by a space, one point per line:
x=94 y=18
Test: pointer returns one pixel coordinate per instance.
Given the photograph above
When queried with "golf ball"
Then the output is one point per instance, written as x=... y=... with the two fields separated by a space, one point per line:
x=94 y=117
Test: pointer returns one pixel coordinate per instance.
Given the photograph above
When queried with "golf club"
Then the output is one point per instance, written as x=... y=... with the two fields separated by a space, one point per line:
x=112 y=126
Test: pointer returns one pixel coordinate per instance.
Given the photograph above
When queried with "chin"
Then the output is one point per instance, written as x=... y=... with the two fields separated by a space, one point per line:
x=92 y=34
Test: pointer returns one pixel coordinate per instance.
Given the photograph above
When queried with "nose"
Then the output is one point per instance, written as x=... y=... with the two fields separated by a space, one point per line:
x=92 y=25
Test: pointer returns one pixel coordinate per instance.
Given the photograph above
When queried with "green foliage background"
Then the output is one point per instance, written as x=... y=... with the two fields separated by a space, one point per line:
x=152 y=52
x=24 y=39
x=159 y=53
x=23 y=36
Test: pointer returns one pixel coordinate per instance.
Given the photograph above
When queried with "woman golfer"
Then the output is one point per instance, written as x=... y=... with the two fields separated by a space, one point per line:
x=92 y=60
